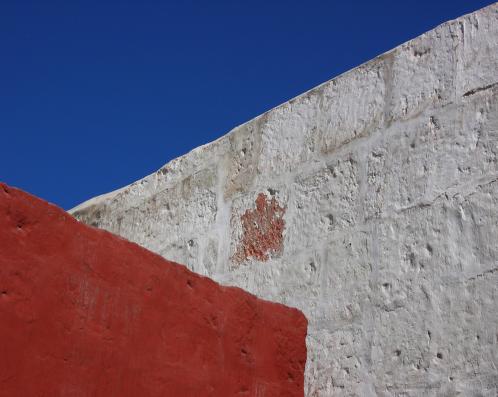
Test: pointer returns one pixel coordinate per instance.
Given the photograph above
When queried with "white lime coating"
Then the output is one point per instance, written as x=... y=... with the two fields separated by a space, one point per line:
x=389 y=176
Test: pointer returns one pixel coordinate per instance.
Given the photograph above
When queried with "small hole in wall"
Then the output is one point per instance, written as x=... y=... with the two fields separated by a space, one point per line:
x=330 y=219
x=190 y=283
x=440 y=356
x=190 y=243
x=3 y=293
x=272 y=191
x=412 y=260
x=397 y=352
x=434 y=122
x=21 y=222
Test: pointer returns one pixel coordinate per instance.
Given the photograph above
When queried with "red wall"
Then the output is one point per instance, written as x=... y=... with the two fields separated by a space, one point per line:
x=86 y=313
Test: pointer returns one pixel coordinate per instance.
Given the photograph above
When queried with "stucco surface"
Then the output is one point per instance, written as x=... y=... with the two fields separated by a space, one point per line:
x=385 y=183
x=86 y=313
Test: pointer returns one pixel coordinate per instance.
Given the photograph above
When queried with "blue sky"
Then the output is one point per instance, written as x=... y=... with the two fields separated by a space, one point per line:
x=95 y=95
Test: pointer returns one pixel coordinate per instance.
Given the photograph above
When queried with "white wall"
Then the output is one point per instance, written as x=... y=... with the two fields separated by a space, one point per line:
x=388 y=175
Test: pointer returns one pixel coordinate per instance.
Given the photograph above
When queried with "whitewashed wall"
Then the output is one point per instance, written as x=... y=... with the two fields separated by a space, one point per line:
x=386 y=179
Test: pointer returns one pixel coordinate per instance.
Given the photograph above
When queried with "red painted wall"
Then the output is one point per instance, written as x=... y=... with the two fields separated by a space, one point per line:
x=86 y=313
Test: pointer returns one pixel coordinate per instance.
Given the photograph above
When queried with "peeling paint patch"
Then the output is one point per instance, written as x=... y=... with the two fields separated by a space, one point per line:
x=262 y=230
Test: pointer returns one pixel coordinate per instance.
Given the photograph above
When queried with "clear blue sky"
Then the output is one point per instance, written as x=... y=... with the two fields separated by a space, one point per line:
x=95 y=95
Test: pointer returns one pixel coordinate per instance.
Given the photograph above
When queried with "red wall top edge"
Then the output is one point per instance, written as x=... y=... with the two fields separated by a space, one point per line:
x=87 y=313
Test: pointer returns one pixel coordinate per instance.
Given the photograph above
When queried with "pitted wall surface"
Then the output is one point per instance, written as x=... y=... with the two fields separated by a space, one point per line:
x=384 y=188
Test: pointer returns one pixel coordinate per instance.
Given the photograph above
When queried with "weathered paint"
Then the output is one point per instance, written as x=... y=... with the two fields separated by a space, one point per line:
x=263 y=229
x=86 y=313
x=389 y=179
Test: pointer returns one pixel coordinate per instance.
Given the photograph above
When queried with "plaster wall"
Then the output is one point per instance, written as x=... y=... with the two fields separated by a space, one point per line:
x=87 y=313
x=369 y=202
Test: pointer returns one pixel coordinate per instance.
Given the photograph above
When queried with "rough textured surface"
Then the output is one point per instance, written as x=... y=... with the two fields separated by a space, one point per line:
x=388 y=175
x=86 y=313
x=262 y=231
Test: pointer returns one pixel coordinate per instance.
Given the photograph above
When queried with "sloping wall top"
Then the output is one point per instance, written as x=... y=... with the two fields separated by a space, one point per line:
x=369 y=202
x=86 y=313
